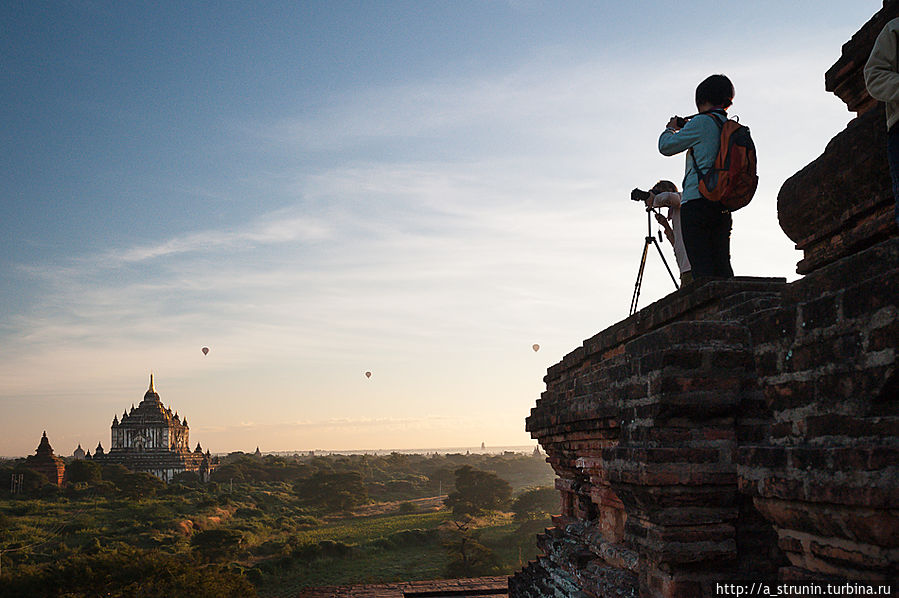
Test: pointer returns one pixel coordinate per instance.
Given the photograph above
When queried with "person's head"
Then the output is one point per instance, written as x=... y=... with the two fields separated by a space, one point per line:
x=664 y=186
x=715 y=92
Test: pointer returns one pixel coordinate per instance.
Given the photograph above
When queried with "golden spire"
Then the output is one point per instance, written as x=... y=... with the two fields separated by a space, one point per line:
x=151 y=383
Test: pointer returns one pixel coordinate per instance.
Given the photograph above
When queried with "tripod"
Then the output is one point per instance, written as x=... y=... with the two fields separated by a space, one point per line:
x=650 y=240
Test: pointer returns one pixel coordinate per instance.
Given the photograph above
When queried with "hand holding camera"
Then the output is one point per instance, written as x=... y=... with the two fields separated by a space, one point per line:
x=677 y=122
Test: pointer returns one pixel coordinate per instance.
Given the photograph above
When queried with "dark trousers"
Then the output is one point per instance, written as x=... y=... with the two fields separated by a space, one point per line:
x=893 y=155
x=705 y=226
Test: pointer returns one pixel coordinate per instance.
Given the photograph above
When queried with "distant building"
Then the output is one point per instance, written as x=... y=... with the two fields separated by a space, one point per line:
x=257 y=454
x=79 y=453
x=45 y=462
x=150 y=438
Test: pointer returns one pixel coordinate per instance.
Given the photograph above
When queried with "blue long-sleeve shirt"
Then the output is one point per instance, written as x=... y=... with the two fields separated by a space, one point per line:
x=702 y=135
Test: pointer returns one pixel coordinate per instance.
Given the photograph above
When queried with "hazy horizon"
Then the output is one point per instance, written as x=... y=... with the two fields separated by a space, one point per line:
x=446 y=450
x=318 y=190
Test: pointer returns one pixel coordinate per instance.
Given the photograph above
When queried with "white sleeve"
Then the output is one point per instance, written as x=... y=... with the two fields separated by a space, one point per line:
x=668 y=199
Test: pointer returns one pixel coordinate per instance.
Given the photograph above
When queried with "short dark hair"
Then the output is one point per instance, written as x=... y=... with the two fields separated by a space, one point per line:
x=717 y=90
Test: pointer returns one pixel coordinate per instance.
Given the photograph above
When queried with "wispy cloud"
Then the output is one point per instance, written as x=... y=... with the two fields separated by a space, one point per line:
x=272 y=229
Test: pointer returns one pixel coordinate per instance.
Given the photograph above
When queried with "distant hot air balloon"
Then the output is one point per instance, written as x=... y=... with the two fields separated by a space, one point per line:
x=536 y=348
x=205 y=350
x=368 y=374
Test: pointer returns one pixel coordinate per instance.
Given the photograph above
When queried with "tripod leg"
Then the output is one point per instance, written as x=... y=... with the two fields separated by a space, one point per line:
x=662 y=255
x=636 y=296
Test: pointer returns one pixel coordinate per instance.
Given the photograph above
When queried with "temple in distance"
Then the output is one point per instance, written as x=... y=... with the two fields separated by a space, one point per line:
x=153 y=439
x=46 y=462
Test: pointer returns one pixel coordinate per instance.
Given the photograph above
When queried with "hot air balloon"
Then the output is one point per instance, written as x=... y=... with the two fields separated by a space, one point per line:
x=368 y=374
x=536 y=348
x=205 y=350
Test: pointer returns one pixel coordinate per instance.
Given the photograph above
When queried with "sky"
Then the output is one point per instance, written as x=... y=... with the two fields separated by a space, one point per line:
x=315 y=190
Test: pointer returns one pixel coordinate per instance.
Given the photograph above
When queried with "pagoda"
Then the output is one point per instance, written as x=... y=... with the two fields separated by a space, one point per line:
x=152 y=439
x=44 y=461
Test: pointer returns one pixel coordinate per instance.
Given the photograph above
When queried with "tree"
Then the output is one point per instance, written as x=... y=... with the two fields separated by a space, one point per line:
x=469 y=558
x=141 y=485
x=536 y=503
x=478 y=491
x=442 y=479
x=334 y=491
x=115 y=473
x=83 y=471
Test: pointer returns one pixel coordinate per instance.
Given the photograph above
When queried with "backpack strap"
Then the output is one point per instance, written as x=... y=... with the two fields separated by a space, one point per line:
x=714 y=113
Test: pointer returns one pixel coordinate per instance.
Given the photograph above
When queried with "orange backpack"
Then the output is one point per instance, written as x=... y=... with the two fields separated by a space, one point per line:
x=732 y=179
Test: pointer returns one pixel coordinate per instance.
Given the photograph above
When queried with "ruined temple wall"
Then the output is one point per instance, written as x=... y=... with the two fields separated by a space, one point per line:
x=826 y=474
x=750 y=436
x=641 y=425
x=745 y=429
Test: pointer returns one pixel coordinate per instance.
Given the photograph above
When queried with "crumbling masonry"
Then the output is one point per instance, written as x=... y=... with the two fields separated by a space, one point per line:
x=743 y=429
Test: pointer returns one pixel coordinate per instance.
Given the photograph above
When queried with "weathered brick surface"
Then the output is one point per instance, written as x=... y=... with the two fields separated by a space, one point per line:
x=746 y=428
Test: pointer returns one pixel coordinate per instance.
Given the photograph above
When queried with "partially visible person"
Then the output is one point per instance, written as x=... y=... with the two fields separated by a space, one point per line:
x=664 y=194
x=882 y=81
x=705 y=225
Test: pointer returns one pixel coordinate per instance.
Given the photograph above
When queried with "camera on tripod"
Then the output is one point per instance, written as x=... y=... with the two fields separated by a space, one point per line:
x=639 y=195
x=643 y=196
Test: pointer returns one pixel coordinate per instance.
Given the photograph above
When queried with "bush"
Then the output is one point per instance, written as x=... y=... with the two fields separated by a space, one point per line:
x=326 y=548
x=187 y=478
x=115 y=473
x=140 y=485
x=407 y=537
x=126 y=571
x=468 y=557
x=216 y=543
x=333 y=491
x=32 y=481
x=83 y=471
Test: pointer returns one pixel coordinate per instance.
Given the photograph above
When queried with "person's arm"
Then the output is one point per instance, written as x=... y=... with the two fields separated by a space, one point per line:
x=669 y=234
x=673 y=142
x=881 y=76
x=667 y=199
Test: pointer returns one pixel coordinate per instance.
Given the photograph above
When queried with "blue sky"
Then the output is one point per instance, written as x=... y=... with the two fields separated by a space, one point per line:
x=318 y=189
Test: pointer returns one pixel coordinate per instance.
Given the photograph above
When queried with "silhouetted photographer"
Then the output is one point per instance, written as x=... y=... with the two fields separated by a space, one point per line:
x=705 y=224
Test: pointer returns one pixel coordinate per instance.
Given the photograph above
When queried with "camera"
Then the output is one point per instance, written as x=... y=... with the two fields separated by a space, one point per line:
x=682 y=120
x=639 y=195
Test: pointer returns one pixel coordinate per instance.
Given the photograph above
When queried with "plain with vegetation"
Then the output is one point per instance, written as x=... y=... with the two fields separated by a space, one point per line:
x=271 y=526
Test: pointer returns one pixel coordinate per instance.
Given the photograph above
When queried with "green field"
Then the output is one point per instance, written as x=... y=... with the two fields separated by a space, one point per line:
x=259 y=533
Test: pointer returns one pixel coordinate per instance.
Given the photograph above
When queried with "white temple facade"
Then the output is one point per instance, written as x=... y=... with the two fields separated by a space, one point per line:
x=152 y=439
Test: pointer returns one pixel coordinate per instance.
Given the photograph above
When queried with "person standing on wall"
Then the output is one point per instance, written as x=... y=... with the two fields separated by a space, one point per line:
x=705 y=225
x=882 y=81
